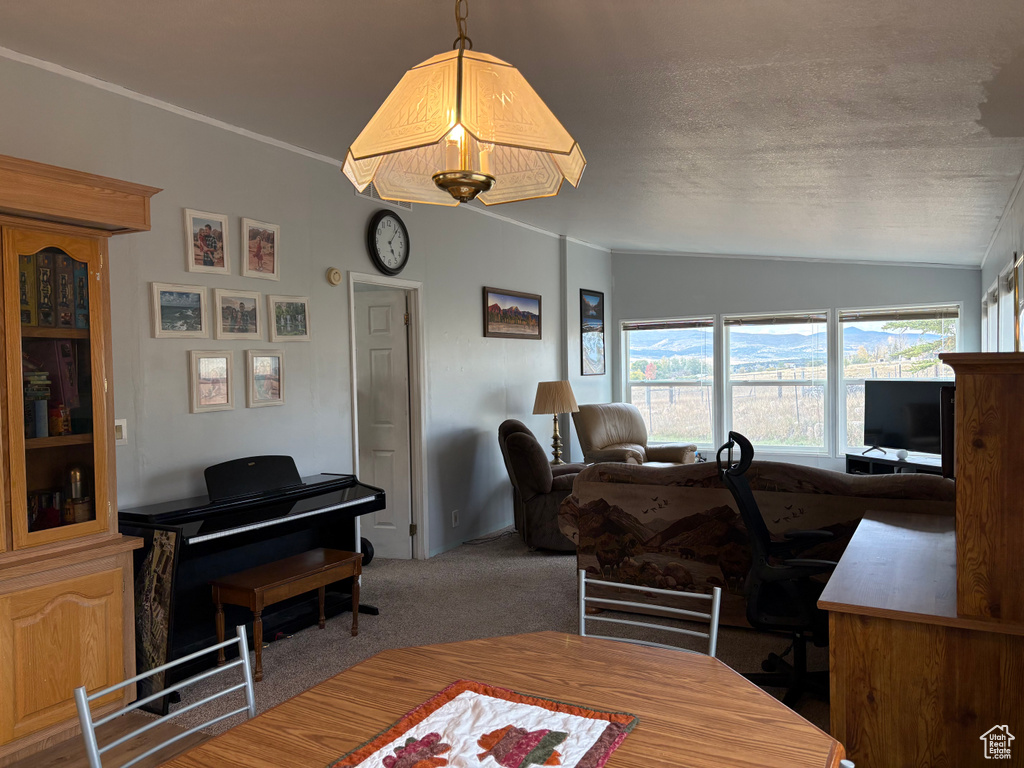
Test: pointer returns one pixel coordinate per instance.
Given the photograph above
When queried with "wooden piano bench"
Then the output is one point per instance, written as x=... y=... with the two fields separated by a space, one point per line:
x=264 y=585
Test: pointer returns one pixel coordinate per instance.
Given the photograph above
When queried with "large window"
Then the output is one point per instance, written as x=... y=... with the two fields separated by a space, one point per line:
x=777 y=379
x=1007 y=311
x=990 y=321
x=1018 y=304
x=891 y=344
x=670 y=369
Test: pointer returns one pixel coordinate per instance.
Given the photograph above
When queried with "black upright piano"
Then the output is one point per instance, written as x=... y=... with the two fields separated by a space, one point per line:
x=257 y=510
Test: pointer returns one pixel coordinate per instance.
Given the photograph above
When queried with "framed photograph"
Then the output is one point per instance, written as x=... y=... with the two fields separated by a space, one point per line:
x=288 y=317
x=592 y=358
x=237 y=314
x=260 y=242
x=511 y=315
x=206 y=242
x=179 y=311
x=264 y=371
x=210 y=379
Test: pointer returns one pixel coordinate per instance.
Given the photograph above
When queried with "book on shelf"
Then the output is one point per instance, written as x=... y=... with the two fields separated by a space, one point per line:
x=45 y=285
x=28 y=298
x=37 y=396
x=56 y=358
x=81 y=278
x=64 y=291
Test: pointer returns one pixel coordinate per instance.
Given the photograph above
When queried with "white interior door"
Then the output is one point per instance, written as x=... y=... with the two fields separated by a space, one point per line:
x=382 y=407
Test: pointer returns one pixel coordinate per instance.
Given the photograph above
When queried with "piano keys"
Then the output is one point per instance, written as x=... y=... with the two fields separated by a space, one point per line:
x=258 y=510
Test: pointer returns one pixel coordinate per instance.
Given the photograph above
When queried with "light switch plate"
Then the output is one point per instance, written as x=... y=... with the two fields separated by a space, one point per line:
x=120 y=431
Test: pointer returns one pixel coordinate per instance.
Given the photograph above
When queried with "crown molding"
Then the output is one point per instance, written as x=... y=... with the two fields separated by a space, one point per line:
x=799 y=259
x=1003 y=217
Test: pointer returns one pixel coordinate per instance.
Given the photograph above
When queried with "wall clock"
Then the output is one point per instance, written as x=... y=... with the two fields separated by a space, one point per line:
x=388 y=242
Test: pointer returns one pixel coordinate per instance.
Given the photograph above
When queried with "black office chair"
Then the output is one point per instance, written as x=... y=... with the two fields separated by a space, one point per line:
x=781 y=594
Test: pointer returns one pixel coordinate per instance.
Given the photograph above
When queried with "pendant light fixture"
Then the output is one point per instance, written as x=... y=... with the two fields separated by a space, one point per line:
x=461 y=125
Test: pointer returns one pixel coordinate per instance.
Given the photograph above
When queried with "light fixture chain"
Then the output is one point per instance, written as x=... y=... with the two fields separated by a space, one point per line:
x=461 y=14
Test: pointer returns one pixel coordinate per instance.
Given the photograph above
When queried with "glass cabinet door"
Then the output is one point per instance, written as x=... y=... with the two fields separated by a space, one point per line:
x=56 y=387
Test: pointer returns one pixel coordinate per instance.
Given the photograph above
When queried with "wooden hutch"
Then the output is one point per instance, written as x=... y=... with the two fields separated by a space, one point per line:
x=66 y=605
x=927 y=611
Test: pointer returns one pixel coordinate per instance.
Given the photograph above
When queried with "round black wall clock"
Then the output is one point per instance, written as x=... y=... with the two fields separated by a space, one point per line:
x=387 y=239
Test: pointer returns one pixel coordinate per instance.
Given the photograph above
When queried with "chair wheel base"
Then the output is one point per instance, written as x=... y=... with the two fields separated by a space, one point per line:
x=778 y=673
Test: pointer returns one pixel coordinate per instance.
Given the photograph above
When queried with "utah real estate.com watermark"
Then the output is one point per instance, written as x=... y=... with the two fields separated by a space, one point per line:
x=997 y=742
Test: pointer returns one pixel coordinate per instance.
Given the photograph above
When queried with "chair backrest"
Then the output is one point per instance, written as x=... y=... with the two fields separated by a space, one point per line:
x=733 y=475
x=711 y=615
x=82 y=699
x=602 y=424
x=529 y=468
x=510 y=427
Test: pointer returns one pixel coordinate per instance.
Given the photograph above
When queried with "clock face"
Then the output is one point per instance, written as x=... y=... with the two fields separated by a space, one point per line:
x=388 y=242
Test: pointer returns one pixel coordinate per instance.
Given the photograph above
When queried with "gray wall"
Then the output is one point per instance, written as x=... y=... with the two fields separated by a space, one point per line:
x=472 y=383
x=590 y=268
x=662 y=285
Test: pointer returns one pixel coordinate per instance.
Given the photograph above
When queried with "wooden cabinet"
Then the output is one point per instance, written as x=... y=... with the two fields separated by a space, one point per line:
x=74 y=619
x=927 y=612
x=66 y=604
x=989 y=502
x=57 y=342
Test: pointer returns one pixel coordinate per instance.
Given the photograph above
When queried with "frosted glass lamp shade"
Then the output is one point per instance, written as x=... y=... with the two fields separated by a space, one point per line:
x=555 y=397
x=435 y=142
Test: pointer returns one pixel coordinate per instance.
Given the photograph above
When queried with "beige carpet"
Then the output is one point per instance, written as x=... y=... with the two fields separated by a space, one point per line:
x=496 y=587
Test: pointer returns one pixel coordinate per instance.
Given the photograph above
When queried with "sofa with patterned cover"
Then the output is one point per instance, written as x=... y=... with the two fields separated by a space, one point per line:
x=678 y=528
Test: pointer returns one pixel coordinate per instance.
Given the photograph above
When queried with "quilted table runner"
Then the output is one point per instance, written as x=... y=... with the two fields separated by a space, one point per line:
x=472 y=725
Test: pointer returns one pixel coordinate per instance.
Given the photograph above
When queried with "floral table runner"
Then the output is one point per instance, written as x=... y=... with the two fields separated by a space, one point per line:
x=470 y=724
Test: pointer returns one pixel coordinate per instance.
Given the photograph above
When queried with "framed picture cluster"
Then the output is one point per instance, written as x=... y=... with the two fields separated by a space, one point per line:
x=207 y=246
x=211 y=379
x=181 y=312
x=189 y=312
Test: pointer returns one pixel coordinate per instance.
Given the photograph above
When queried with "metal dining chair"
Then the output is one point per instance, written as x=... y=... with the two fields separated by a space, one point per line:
x=82 y=700
x=715 y=598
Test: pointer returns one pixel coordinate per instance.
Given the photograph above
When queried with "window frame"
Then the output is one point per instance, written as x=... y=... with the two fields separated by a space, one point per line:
x=701 y=321
x=728 y=380
x=990 y=318
x=841 y=447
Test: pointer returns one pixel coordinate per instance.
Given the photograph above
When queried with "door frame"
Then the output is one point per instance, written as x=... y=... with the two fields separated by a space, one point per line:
x=417 y=397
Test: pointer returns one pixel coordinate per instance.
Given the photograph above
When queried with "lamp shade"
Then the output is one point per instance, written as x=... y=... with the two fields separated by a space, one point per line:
x=460 y=125
x=555 y=397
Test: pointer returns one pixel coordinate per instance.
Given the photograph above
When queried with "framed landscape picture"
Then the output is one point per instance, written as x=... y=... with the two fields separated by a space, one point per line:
x=264 y=371
x=511 y=314
x=260 y=243
x=179 y=311
x=592 y=355
x=206 y=242
x=237 y=314
x=288 y=317
x=210 y=381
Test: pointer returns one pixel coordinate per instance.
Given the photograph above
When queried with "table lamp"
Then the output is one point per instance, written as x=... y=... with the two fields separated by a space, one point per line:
x=555 y=397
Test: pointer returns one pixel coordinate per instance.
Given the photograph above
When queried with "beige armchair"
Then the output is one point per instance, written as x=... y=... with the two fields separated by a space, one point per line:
x=616 y=432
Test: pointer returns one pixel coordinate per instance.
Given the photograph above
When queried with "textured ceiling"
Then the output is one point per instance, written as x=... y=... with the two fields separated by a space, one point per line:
x=854 y=129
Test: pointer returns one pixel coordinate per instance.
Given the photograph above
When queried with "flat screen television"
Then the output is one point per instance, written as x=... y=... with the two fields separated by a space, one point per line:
x=903 y=414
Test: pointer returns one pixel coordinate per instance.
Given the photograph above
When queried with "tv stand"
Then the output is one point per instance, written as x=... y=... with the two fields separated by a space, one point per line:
x=859 y=464
x=874 y=448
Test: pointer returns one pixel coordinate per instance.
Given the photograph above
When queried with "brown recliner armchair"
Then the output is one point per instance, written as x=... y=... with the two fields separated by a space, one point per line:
x=616 y=432
x=537 y=487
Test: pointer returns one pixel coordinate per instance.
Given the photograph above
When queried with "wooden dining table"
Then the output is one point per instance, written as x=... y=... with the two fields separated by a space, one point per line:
x=694 y=711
